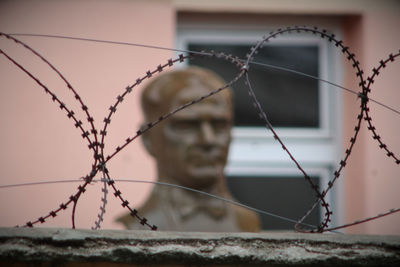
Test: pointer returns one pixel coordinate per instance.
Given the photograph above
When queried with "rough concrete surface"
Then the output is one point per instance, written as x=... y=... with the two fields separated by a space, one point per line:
x=68 y=247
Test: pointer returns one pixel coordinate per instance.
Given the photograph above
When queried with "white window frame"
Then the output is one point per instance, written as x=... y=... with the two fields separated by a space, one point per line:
x=254 y=151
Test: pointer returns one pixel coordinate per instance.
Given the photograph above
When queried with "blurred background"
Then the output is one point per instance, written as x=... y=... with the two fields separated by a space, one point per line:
x=316 y=120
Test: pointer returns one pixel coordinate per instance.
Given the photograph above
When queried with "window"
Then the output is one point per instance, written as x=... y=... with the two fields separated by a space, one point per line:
x=274 y=88
x=304 y=112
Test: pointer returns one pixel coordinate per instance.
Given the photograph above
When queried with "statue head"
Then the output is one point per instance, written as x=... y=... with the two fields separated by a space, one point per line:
x=190 y=147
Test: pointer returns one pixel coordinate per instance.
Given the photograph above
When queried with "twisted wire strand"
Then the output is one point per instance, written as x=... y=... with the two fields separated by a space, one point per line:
x=320 y=197
x=375 y=72
x=263 y=116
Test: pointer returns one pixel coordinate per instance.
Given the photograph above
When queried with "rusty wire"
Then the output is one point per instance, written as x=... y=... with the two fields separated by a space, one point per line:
x=99 y=164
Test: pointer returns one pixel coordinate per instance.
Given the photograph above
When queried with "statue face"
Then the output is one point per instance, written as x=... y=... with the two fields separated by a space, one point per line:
x=193 y=144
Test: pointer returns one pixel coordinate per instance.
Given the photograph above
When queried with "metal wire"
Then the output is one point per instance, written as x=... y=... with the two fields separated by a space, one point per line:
x=100 y=160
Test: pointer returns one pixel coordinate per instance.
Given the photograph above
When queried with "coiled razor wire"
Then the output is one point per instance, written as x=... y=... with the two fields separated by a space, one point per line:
x=97 y=144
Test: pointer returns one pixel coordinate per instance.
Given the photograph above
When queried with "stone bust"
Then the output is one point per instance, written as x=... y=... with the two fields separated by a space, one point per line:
x=191 y=149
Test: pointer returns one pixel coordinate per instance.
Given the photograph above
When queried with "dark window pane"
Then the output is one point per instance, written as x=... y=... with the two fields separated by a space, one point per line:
x=289 y=100
x=285 y=196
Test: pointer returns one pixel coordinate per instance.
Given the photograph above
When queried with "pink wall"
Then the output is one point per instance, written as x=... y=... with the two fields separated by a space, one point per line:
x=355 y=210
x=38 y=142
x=380 y=176
x=372 y=179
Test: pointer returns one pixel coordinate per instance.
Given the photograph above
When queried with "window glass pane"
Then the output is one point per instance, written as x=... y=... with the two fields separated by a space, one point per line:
x=285 y=196
x=289 y=100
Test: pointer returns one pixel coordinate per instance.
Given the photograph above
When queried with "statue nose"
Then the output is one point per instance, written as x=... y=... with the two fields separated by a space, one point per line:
x=207 y=133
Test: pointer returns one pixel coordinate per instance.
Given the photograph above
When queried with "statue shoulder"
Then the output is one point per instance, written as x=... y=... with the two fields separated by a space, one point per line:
x=247 y=220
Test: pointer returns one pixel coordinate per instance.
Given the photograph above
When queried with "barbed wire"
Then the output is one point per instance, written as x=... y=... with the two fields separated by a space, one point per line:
x=100 y=160
x=230 y=201
x=203 y=53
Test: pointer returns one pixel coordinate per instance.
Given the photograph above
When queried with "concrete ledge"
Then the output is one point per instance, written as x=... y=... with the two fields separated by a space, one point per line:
x=67 y=247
